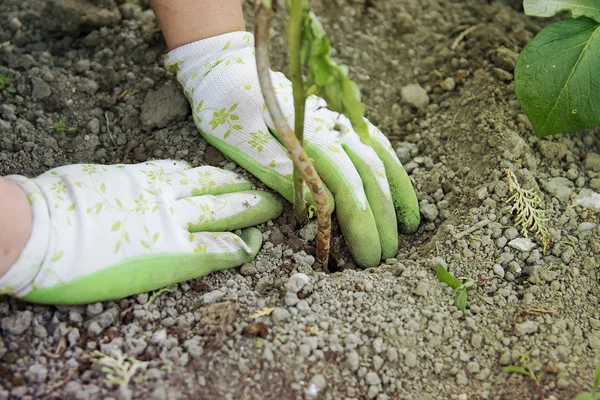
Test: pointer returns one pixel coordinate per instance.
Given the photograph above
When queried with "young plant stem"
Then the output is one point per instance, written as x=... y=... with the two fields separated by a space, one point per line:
x=294 y=40
x=287 y=136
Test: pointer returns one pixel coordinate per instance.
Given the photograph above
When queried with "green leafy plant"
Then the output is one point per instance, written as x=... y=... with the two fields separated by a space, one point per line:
x=595 y=394
x=556 y=75
x=461 y=289
x=308 y=47
x=5 y=84
x=60 y=126
x=525 y=368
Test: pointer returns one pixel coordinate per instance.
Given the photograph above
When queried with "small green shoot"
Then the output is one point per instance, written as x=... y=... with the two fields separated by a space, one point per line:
x=5 y=84
x=311 y=211
x=460 y=289
x=595 y=395
x=526 y=369
x=156 y=293
x=60 y=126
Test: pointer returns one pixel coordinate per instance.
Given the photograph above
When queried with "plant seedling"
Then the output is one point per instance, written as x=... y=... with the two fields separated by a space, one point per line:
x=555 y=75
x=594 y=395
x=60 y=126
x=5 y=84
x=460 y=289
x=308 y=47
x=526 y=369
x=526 y=209
x=118 y=367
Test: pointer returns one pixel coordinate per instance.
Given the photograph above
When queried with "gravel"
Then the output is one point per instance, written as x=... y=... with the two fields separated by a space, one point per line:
x=415 y=96
x=278 y=326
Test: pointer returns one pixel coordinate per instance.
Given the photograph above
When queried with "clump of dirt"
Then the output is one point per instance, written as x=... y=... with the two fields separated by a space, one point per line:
x=445 y=99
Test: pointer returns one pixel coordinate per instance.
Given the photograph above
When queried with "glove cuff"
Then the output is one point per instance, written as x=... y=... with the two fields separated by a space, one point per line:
x=198 y=58
x=18 y=280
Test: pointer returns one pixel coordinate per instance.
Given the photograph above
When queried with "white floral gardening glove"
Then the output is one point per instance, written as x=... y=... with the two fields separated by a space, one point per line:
x=107 y=232
x=372 y=191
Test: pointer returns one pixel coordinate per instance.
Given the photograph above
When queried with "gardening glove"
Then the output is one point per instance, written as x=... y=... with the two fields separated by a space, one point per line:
x=372 y=191
x=107 y=232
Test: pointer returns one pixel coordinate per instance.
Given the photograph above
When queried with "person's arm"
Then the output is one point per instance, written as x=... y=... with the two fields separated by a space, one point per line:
x=15 y=223
x=186 y=21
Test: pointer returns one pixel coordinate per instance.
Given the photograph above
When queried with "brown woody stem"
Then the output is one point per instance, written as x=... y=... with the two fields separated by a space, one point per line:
x=288 y=138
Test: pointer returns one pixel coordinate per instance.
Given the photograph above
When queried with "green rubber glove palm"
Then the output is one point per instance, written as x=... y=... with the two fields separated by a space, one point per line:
x=373 y=193
x=107 y=232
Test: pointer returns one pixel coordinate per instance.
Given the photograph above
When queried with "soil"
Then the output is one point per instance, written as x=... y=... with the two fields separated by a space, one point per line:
x=388 y=332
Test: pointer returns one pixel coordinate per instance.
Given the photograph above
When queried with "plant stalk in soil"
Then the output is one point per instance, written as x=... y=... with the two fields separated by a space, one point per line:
x=294 y=40
x=286 y=135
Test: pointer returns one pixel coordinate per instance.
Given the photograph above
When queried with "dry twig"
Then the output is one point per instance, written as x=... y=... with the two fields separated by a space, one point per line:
x=462 y=35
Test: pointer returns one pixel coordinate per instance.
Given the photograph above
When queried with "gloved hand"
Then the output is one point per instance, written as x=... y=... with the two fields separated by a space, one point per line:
x=372 y=191
x=107 y=232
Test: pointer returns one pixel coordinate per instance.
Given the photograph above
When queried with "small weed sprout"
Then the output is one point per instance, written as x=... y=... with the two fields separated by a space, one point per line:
x=526 y=209
x=60 y=126
x=526 y=369
x=118 y=367
x=157 y=293
x=594 y=395
x=460 y=289
x=5 y=84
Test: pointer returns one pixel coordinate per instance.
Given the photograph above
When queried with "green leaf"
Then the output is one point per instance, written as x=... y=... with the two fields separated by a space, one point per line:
x=103 y=187
x=119 y=204
x=515 y=369
x=226 y=45
x=549 y=8
x=587 y=396
x=145 y=244
x=331 y=79
x=11 y=89
x=233 y=107
x=446 y=277
x=71 y=207
x=266 y=4
x=98 y=207
x=117 y=246
x=116 y=226
x=155 y=237
x=556 y=77
x=460 y=301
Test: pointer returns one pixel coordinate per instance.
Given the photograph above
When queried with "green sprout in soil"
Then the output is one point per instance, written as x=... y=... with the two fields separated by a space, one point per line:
x=5 y=84
x=460 y=289
x=526 y=209
x=118 y=367
x=60 y=126
x=526 y=369
x=595 y=394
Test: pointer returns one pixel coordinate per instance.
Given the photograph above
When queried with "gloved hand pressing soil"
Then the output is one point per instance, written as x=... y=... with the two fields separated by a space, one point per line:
x=107 y=232
x=372 y=192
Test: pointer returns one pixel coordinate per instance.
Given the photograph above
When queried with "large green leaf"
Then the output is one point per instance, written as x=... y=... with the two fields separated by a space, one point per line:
x=557 y=77
x=549 y=8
